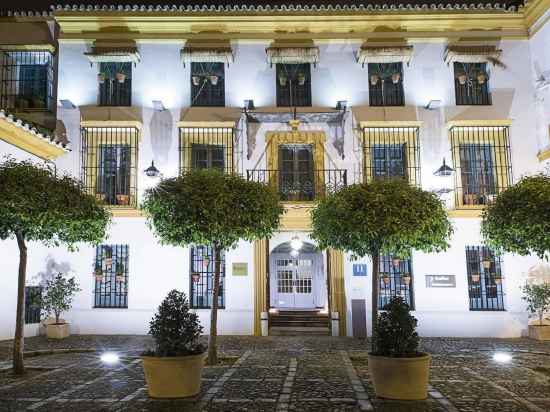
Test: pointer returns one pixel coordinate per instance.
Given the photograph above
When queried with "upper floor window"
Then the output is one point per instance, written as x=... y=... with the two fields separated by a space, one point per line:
x=207 y=84
x=386 y=84
x=115 y=84
x=206 y=148
x=111 y=276
x=293 y=84
x=109 y=164
x=472 y=84
x=27 y=80
x=395 y=280
x=484 y=279
x=202 y=277
x=481 y=156
x=391 y=152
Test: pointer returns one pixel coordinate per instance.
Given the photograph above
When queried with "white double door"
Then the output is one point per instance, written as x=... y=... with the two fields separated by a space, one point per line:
x=295 y=282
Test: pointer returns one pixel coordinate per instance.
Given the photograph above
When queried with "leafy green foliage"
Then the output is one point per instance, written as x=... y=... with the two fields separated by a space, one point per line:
x=207 y=207
x=175 y=329
x=58 y=295
x=519 y=219
x=537 y=297
x=45 y=208
x=384 y=216
x=395 y=331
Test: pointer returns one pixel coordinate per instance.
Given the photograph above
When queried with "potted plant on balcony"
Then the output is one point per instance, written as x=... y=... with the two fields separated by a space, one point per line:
x=537 y=297
x=98 y=273
x=119 y=272
x=173 y=368
x=397 y=368
x=101 y=77
x=58 y=298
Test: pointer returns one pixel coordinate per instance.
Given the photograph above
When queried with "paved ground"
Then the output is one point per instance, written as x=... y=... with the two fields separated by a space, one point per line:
x=281 y=374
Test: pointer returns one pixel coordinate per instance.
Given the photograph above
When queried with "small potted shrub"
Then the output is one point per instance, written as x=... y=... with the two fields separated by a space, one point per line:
x=58 y=298
x=397 y=368
x=537 y=297
x=173 y=369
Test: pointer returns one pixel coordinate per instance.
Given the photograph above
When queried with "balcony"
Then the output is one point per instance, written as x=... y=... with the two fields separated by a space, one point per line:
x=301 y=186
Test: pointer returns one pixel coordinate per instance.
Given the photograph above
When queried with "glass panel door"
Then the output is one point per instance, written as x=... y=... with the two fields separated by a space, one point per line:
x=296 y=174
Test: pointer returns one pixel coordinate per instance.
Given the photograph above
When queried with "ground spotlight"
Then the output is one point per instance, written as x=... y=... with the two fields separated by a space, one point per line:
x=502 y=357
x=110 y=358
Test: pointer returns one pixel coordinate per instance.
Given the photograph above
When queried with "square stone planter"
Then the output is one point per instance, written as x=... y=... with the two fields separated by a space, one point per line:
x=539 y=332
x=57 y=330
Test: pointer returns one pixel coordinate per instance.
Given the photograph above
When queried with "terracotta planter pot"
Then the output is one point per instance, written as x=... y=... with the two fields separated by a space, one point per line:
x=119 y=278
x=400 y=378
x=407 y=280
x=57 y=330
x=173 y=377
x=386 y=280
x=213 y=80
x=539 y=332
x=101 y=78
x=120 y=77
x=462 y=78
x=100 y=197
x=395 y=78
x=476 y=278
x=374 y=80
x=123 y=200
x=396 y=261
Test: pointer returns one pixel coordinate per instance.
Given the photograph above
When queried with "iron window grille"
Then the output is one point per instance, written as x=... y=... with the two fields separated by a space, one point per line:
x=27 y=81
x=207 y=148
x=202 y=278
x=111 y=276
x=472 y=84
x=481 y=156
x=396 y=279
x=391 y=152
x=293 y=83
x=207 y=84
x=109 y=157
x=386 y=84
x=33 y=304
x=484 y=279
x=115 y=84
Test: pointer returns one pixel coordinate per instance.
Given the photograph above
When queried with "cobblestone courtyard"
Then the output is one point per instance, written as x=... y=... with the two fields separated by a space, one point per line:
x=279 y=374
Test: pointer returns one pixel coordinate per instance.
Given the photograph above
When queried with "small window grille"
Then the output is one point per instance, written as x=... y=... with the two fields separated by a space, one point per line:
x=396 y=279
x=293 y=82
x=111 y=276
x=484 y=279
x=472 y=84
x=33 y=303
x=202 y=277
x=207 y=148
x=109 y=158
x=115 y=84
x=207 y=84
x=26 y=81
x=386 y=84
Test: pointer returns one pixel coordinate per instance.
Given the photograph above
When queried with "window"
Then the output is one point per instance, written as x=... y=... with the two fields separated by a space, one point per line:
x=33 y=303
x=386 y=84
x=115 y=84
x=484 y=279
x=207 y=84
x=472 y=84
x=27 y=81
x=296 y=172
x=391 y=152
x=293 y=84
x=481 y=156
x=202 y=278
x=109 y=164
x=395 y=280
x=206 y=147
x=111 y=276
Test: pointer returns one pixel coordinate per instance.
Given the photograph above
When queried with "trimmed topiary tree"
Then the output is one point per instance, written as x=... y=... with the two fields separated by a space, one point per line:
x=36 y=205
x=58 y=295
x=518 y=221
x=383 y=216
x=207 y=207
x=537 y=298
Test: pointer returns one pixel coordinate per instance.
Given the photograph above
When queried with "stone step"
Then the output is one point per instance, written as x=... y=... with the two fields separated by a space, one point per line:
x=298 y=331
x=300 y=323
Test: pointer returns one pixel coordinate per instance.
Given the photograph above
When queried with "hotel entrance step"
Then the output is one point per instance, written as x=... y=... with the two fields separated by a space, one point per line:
x=296 y=323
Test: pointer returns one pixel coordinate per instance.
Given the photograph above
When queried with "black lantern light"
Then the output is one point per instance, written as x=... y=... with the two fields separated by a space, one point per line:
x=152 y=171
x=444 y=170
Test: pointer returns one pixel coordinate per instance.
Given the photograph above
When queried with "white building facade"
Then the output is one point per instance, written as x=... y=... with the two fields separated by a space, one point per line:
x=330 y=108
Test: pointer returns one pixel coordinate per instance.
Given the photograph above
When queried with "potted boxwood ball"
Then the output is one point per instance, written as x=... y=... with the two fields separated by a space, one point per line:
x=537 y=297
x=58 y=298
x=173 y=368
x=397 y=368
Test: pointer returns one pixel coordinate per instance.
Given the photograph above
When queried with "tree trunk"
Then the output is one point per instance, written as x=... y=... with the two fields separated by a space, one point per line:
x=212 y=347
x=375 y=284
x=18 y=341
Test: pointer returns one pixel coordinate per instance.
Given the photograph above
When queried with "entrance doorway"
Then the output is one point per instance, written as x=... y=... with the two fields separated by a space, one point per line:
x=297 y=282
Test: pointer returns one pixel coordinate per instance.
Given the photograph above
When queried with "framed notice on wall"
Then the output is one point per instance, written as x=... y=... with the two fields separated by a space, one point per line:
x=240 y=269
x=440 y=281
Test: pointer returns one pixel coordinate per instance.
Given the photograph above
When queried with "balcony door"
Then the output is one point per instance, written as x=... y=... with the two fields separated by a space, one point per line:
x=296 y=172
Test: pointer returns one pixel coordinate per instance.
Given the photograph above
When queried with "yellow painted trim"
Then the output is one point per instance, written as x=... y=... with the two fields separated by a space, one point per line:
x=111 y=123
x=126 y=212
x=260 y=283
x=466 y=213
x=544 y=155
x=479 y=123
x=390 y=123
x=297 y=216
x=534 y=10
x=28 y=47
x=27 y=141
x=337 y=287
x=206 y=124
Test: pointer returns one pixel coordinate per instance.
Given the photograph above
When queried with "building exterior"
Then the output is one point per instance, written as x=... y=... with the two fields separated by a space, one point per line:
x=308 y=97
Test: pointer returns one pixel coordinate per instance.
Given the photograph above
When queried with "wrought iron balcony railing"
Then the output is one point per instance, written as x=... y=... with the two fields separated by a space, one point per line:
x=303 y=185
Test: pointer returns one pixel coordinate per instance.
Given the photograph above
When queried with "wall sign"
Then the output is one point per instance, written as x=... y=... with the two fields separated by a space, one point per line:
x=240 y=269
x=359 y=269
x=440 y=281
